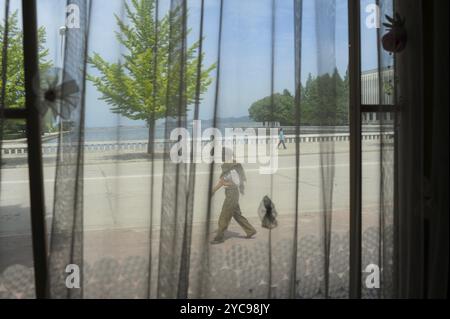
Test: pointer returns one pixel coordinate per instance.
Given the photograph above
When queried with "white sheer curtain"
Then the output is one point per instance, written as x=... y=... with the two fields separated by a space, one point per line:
x=162 y=249
x=139 y=225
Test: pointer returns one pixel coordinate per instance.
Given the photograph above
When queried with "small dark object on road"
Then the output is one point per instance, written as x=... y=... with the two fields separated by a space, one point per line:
x=267 y=213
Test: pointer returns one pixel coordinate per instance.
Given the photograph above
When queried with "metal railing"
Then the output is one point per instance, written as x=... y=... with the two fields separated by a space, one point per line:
x=142 y=145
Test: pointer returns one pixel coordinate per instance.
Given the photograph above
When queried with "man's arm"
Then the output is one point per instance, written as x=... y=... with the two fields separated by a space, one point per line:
x=219 y=184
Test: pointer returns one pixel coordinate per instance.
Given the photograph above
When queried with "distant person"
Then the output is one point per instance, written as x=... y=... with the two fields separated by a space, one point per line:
x=232 y=179
x=282 y=138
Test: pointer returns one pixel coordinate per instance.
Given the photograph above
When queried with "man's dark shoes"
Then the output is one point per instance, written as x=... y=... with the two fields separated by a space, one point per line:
x=251 y=234
x=217 y=241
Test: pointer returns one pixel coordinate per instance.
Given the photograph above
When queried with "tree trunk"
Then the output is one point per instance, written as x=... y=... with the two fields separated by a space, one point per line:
x=151 y=137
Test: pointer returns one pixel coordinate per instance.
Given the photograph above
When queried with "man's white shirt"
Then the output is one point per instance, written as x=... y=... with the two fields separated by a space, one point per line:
x=232 y=176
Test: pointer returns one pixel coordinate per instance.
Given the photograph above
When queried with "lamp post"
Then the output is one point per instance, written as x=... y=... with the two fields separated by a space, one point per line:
x=62 y=33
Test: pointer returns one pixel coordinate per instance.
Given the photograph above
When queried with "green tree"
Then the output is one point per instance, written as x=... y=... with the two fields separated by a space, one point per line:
x=343 y=97
x=15 y=75
x=308 y=101
x=156 y=67
x=324 y=102
x=276 y=108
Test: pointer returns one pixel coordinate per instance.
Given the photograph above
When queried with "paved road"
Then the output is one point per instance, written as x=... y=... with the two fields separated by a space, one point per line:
x=117 y=192
x=117 y=207
x=117 y=200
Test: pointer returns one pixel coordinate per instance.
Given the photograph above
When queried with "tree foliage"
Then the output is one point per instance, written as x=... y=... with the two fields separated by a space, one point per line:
x=324 y=101
x=155 y=68
x=15 y=74
x=276 y=108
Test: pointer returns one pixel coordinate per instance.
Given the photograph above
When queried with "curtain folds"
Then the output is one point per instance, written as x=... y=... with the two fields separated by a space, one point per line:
x=136 y=203
x=66 y=234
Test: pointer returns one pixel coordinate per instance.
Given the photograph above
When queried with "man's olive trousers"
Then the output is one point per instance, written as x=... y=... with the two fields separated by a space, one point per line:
x=231 y=209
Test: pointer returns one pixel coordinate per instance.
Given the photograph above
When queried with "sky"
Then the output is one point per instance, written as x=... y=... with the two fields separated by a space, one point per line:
x=245 y=75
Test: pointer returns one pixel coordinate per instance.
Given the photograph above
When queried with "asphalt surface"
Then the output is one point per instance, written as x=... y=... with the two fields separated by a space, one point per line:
x=117 y=194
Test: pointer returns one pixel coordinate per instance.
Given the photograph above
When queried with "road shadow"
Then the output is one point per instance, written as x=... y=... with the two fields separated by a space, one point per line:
x=131 y=157
x=22 y=161
x=15 y=236
x=231 y=234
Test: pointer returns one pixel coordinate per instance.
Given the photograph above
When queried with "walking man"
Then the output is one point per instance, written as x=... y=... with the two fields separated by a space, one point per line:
x=232 y=179
x=281 y=138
